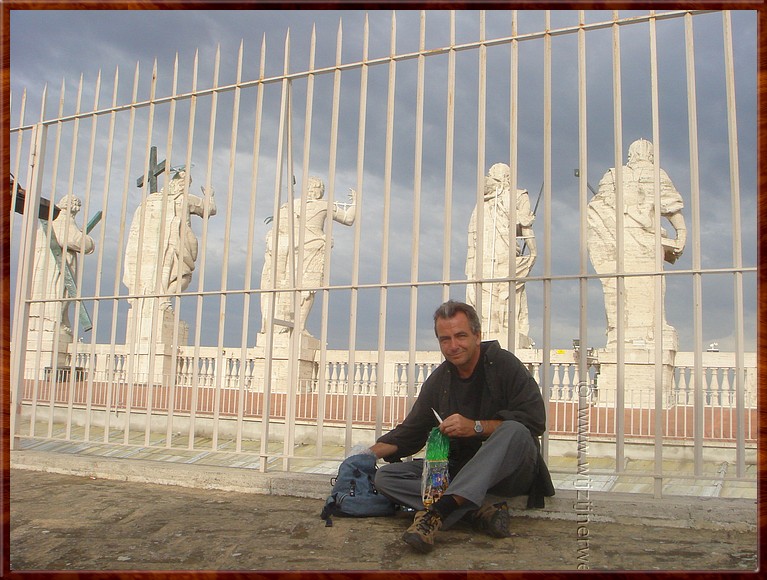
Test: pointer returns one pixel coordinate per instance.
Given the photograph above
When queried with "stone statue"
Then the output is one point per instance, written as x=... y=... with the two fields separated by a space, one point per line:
x=639 y=231
x=313 y=260
x=47 y=283
x=168 y=249
x=498 y=237
x=176 y=253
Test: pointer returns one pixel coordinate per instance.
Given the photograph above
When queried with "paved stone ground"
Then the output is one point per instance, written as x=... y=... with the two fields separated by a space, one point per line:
x=67 y=522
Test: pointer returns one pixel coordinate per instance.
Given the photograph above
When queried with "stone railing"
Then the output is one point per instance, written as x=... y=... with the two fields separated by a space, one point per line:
x=209 y=384
x=718 y=374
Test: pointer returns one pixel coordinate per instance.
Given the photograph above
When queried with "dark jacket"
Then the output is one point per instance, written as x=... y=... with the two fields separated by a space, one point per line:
x=511 y=395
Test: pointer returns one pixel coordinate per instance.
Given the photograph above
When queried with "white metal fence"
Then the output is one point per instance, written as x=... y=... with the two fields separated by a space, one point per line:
x=413 y=132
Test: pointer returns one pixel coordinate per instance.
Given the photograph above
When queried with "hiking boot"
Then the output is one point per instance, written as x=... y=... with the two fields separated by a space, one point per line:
x=420 y=535
x=493 y=520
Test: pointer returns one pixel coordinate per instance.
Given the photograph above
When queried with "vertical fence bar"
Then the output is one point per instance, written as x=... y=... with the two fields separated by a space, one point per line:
x=50 y=262
x=449 y=152
x=78 y=304
x=14 y=192
x=357 y=230
x=157 y=301
x=620 y=403
x=138 y=301
x=269 y=318
x=583 y=386
x=24 y=277
x=158 y=281
x=333 y=150
x=388 y=155
x=183 y=229
x=15 y=170
x=244 y=394
x=546 y=364
x=696 y=250
x=482 y=160
x=168 y=376
x=293 y=274
x=511 y=271
x=737 y=252
x=658 y=280
x=207 y=210
x=220 y=361
x=415 y=241
x=514 y=175
x=64 y=253
x=308 y=116
x=24 y=274
x=479 y=247
x=52 y=378
x=118 y=268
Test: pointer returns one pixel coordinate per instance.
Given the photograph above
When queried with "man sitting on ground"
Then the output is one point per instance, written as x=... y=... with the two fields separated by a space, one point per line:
x=493 y=415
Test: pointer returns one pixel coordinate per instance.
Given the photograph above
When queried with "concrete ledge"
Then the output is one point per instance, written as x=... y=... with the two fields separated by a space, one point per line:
x=240 y=480
x=567 y=505
x=738 y=515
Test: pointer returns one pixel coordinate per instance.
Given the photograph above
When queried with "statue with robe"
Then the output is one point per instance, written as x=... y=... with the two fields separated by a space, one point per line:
x=499 y=235
x=311 y=225
x=48 y=281
x=640 y=229
x=168 y=244
x=160 y=259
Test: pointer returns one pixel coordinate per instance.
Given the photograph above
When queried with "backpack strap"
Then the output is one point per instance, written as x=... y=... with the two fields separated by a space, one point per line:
x=329 y=510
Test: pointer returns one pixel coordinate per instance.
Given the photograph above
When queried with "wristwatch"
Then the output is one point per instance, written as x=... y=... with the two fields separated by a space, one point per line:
x=478 y=428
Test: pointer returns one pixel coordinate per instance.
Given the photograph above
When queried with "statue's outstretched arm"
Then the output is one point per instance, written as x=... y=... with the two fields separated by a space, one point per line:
x=196 y=204
x=346 y=213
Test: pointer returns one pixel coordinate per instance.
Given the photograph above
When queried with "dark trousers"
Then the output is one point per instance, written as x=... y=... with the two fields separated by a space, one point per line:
x=504 y=466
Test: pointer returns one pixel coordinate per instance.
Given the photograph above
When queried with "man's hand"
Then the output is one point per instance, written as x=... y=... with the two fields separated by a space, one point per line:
x=381 y=450
x=457 y=426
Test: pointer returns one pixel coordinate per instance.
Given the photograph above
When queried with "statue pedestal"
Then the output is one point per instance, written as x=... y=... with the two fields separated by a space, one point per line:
x=305 y=369
x=164 y=360
x=48 y=359
x=639 y=376
x=163 y=371
x=524 y=341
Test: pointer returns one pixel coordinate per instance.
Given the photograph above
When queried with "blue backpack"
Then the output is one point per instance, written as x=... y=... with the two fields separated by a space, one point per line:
x=353 y=493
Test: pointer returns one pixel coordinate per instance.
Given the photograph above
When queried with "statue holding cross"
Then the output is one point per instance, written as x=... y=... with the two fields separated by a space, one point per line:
x=55 y=269
x=155 y=170
x=161 y=252
x=168 y=244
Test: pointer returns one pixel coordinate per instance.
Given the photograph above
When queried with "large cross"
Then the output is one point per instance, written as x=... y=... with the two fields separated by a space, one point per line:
x=45 y=204
x=69 y=279
x=155 y=169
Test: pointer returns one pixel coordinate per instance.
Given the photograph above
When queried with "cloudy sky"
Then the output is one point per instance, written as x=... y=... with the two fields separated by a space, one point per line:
x=55 y=49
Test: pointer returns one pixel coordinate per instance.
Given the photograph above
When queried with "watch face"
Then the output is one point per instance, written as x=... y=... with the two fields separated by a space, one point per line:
x=478 y=427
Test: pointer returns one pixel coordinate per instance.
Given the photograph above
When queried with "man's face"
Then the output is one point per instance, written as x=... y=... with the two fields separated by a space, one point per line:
x=458 y=343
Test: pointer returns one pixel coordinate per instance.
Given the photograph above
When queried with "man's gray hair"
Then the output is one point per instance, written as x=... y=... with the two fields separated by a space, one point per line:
x=453 y=307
